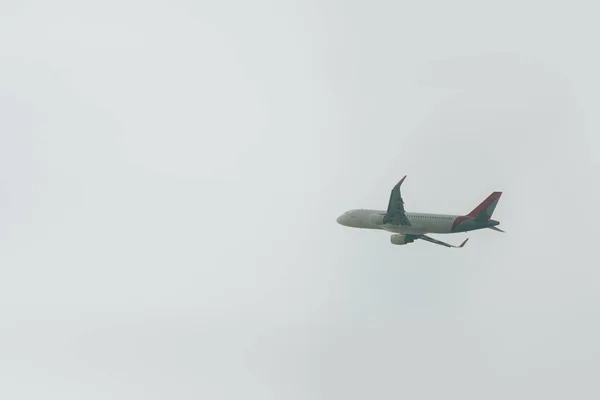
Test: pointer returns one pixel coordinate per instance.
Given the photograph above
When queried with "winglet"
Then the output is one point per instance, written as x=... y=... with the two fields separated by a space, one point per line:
x=401 y=180
x=463 y=243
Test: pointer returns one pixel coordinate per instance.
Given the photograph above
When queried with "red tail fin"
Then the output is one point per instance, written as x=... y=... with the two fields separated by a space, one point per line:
x=485 y=210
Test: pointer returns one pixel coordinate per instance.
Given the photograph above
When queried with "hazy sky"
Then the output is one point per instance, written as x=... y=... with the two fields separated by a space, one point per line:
x=171 y=172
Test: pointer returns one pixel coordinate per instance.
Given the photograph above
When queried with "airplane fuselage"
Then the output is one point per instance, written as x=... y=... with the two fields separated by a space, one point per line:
x=420 y=223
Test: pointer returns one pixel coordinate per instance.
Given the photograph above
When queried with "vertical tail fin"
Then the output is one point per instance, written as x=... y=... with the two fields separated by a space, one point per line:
x=484 y=211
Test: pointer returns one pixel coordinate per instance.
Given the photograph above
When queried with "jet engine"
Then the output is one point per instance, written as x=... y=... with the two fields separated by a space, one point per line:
x=400 y=239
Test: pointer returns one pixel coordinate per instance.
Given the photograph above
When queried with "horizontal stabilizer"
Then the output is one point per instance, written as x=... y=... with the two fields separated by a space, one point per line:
x=497 y=229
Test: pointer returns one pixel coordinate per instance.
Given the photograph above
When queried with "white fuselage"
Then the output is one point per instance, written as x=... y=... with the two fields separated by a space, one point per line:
x=420 y=223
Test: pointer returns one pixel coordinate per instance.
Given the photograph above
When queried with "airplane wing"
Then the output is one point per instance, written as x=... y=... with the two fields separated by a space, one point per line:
x=395 y=211
x=432 y=240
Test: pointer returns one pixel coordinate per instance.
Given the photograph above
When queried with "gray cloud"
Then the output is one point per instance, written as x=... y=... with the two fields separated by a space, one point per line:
x=170 y=175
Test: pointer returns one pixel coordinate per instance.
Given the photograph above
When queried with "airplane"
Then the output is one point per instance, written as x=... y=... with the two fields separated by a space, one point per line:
x=410 y=226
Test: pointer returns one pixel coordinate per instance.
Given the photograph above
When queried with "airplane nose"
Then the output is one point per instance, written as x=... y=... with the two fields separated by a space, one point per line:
x=339 y=219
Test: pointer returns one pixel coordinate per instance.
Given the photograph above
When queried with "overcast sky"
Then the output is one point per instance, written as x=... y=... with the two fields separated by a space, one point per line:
x=171 y=172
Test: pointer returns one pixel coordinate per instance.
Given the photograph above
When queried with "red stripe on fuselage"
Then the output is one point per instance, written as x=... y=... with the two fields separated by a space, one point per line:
x=458 y=220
